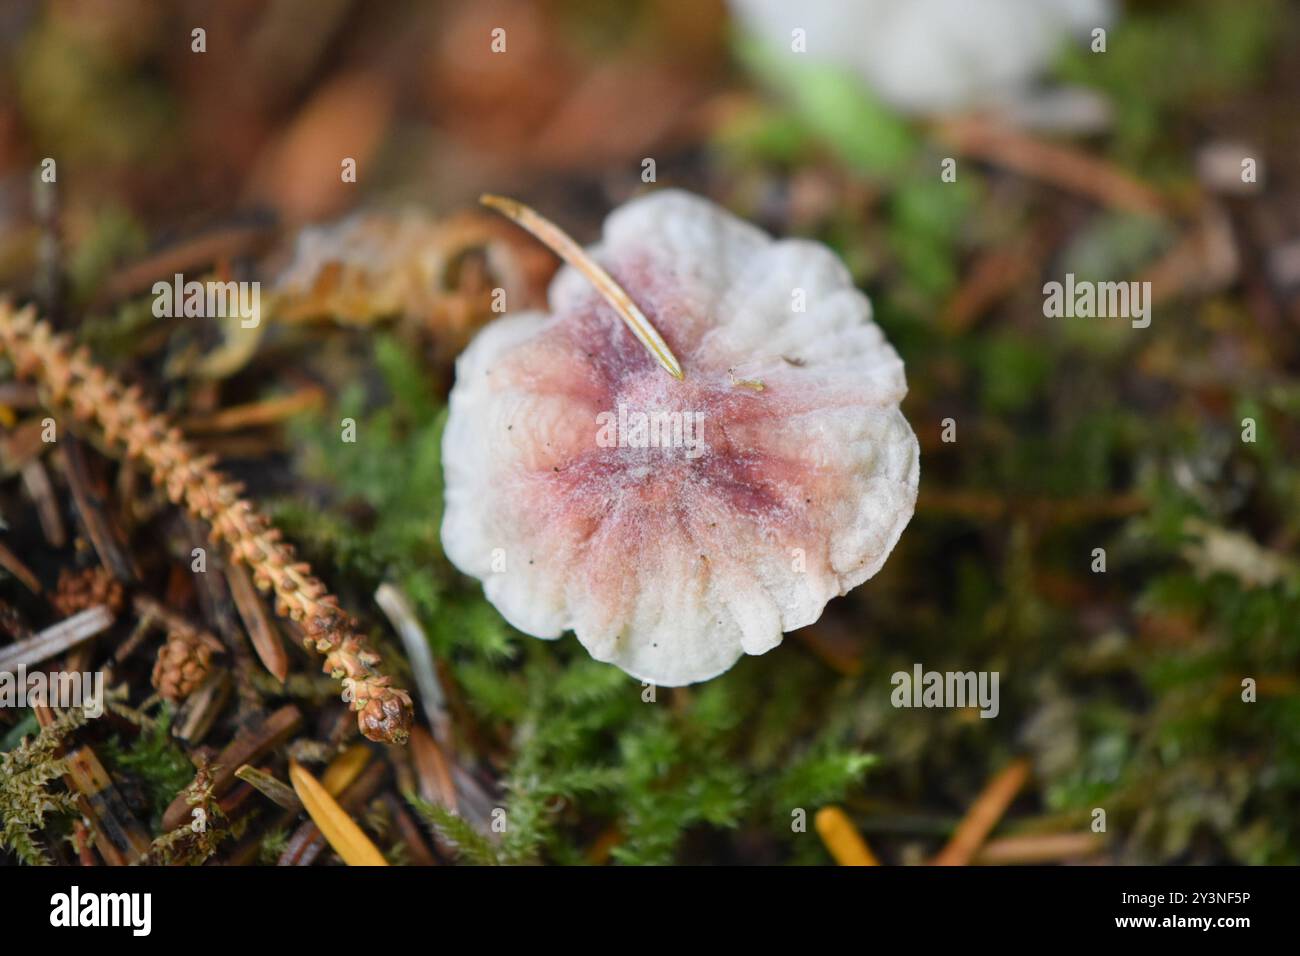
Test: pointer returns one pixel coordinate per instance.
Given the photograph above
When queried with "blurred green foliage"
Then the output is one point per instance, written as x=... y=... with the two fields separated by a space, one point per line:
x=1165 y=62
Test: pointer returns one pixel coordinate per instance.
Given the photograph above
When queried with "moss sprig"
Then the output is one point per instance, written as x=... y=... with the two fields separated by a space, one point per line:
x=25 y=795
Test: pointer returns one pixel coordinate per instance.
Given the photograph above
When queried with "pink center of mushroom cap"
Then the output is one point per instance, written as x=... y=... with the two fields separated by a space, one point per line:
x=685 y=453
x=618 y=514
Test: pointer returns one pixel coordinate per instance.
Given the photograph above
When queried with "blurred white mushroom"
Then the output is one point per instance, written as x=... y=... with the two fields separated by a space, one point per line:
x=675 y=524
x=931 y=56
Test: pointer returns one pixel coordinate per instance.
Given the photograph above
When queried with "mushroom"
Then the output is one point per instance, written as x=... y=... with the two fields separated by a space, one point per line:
x=927 y=56
x=674 y=523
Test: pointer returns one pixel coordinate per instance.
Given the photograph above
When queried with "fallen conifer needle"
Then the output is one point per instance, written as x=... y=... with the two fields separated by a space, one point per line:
x=984 y=815
x=269 y=787
x=53 y=640
x=842 y=838
x=348 y=840
x=344 y=769
x=558 y=241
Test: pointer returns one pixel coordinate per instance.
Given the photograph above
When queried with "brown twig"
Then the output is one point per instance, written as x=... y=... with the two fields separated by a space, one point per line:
x=72 y=380
x=1062 y=166
x=262 y=632
x=15 y=566
x=1038 y=848
x=432 y=770
x=200 y=711
x=138 y=635
x=186 y=256
x=218 y=609
x=983 y=815
x=37 y=482
x=248 y=746
x=992 y=276
x=269 y=411
x=105 y=536
x=409 y=833
x=57 y=639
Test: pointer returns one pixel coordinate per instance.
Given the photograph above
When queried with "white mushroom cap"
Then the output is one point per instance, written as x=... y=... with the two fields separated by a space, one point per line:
x=928 y=56
x=666 y=562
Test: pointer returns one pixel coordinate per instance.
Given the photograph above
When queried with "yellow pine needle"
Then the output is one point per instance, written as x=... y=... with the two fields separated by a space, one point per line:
x=842 y=838
x=345 y=768
x=342 y=832
x=559 y=242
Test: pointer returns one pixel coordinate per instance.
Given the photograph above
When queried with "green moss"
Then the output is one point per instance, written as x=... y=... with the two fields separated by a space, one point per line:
x=155 y=760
